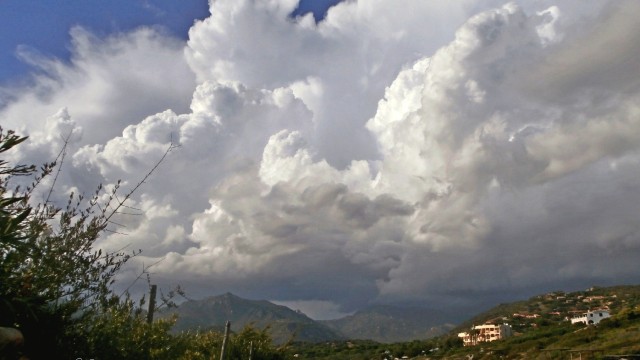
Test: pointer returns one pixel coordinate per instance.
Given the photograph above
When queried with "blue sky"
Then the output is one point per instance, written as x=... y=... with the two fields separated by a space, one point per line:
x=43 y=26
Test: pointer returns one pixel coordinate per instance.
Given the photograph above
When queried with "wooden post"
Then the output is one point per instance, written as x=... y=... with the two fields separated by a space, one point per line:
x=225 y=340
x=152 y=303
x=250 y=349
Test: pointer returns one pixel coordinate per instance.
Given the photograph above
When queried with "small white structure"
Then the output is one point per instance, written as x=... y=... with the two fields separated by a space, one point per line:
x=591 y=317
x=485 y=333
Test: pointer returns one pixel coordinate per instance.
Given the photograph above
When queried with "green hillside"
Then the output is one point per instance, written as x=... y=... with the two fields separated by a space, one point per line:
x=556 y=306
x=542 y=330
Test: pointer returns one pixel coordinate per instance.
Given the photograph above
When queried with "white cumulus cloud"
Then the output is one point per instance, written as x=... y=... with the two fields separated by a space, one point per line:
x=446 y=153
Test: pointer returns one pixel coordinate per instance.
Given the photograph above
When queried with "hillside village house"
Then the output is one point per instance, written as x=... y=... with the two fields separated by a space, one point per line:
x=591 y=317
x=485 y=333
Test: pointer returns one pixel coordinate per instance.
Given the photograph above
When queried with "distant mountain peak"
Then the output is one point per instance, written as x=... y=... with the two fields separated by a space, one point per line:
x=226 y=295
x=284 y=323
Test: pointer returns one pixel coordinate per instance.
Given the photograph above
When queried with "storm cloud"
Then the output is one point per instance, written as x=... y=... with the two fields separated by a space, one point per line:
x=448 y=154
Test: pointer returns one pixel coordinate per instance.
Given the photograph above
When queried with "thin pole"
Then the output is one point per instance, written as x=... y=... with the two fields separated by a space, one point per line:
x=223 y=351
x=152 y=303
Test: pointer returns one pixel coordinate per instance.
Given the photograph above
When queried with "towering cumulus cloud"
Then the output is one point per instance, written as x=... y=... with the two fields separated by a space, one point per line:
x=396 y=151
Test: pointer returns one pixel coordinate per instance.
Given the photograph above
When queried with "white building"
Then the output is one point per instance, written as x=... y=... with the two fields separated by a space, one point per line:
x=591 y=317
x=485 y=333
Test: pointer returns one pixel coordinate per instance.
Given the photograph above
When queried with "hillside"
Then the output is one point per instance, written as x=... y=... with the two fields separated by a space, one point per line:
x=384 y=324
x=557 y=306
x=542 y=330
x=541 y=325
x=388 y=324
x=284 y=324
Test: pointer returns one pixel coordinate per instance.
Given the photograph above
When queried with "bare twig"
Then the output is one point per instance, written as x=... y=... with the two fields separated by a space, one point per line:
x=61 y=155
x=114 y=232
x=128 y=213
x=115 y=223
x=135 y=188
x=142 y=273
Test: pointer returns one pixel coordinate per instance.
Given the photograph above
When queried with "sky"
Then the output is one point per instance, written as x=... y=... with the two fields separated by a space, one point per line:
x=450 y=154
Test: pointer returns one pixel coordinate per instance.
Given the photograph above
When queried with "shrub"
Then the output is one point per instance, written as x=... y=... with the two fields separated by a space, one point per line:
x=56 y=288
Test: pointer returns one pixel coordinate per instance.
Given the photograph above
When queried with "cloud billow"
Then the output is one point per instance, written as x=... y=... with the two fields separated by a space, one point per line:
x=378 y=157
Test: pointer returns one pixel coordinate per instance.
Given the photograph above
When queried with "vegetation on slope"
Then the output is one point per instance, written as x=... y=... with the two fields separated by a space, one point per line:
x=542 y=331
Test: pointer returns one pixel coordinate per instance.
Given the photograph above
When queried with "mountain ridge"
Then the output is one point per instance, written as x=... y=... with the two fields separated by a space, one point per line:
x=214 y=311
x=381 y=323
x=540 y=322
x=388 y=324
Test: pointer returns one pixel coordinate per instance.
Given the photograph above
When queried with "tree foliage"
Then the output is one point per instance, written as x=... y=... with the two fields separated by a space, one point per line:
x=56 y=287
x=49 y=269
